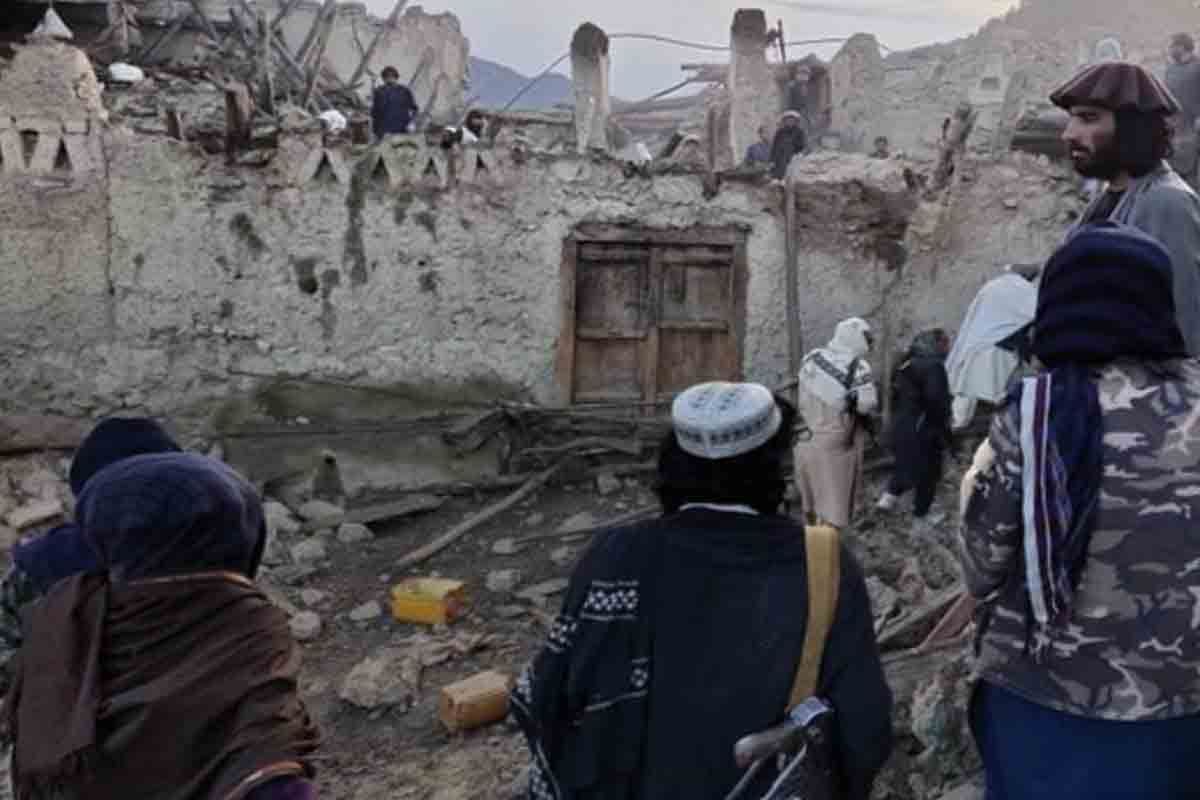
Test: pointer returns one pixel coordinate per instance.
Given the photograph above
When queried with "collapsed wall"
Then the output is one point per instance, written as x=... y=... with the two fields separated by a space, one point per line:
x=428 y=50
x=184 y=282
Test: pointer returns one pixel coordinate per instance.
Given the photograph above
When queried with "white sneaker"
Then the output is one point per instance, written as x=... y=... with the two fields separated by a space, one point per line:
x=887 y=502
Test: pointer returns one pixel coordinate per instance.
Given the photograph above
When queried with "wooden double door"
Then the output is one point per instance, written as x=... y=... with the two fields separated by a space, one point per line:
x=647 y=313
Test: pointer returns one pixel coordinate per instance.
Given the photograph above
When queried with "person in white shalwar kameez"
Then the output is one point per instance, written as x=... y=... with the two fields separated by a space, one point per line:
x=836 y=388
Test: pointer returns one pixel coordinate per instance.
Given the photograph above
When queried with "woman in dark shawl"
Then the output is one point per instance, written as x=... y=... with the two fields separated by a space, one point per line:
x=162 y=672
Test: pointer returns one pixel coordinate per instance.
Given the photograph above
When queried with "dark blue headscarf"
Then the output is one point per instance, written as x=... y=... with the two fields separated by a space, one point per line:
x=1106 y=295
x=63 y=551
x=172 y=514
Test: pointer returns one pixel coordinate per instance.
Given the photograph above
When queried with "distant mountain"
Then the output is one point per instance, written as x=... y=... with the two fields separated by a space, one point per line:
x=494 y=86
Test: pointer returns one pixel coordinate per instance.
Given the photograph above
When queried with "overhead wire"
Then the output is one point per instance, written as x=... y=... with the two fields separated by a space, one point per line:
x=652 y=37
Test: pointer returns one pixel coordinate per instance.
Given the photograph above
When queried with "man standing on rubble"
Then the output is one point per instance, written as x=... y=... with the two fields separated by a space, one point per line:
x=1120 y=132
x=790 y=141
x=393 y=107
x=1183 y=79
x=680 y=635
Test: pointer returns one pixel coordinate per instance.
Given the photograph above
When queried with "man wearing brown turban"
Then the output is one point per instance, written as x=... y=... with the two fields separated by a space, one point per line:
x=1120 y=132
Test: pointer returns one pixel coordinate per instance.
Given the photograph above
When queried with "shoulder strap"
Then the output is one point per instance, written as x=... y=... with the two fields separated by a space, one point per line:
x=824 y=575
x=851 y=372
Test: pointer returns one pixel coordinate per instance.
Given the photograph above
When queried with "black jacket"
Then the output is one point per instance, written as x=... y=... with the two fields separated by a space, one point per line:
x=787 y=143
x=392 y=109
x=678 y=637
x=921 y=406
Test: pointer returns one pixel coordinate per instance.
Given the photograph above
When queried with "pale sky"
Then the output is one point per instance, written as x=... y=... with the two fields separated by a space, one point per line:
x=528 y=34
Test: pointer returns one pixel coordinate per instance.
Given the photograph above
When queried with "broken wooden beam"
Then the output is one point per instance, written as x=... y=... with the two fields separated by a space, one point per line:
x=475 y=520
x=205 y=22
x=319 y=55
x=388 y=26
x=26 y=433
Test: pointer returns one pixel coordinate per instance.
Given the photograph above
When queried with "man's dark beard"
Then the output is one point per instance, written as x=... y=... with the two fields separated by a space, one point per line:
x=1104 y=163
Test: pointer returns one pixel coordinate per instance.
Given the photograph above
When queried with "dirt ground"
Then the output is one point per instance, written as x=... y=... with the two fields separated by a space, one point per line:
x=403 y=753
x=400 y=753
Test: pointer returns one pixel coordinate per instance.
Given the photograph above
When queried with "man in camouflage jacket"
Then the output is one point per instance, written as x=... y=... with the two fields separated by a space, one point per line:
x=1079 y=540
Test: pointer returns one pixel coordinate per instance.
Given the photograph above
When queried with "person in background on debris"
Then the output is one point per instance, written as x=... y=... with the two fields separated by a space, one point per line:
x=393 y=106
x=1120 y=132
x=63 y=551
x=837 y=394
x=759 y=153
x=883 y=148
x=164 y=657
x=682 y=634
x=473 y=126
x=1183 y=79
x=1079 y=538
x=797 y=90
x=790 y=141
x=920 y=422
x=986 y=351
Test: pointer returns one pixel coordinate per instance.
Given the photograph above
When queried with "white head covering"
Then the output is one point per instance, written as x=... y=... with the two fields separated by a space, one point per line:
x=723 y=420
x=826 y=371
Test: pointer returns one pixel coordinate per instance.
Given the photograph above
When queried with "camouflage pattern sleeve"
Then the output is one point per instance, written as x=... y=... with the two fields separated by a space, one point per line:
x=991 y=525
x=16 y=590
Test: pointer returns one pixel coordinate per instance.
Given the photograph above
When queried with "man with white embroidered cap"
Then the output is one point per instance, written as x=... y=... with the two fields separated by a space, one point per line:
x=682 y=634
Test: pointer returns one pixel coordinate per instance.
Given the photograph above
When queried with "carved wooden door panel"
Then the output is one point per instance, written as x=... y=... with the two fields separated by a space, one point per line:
x=648 y=313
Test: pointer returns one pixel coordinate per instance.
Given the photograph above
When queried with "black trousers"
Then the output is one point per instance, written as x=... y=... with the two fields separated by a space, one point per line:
x=919 y=471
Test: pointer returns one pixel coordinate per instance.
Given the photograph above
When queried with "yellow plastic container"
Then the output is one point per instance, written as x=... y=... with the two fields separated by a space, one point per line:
x=432 y=601
x=474 y=702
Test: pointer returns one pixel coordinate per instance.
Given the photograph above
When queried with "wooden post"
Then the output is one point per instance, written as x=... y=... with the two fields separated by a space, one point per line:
x=266 y=74
x=380 y=37
x=205 y=22
x=327 y=11
x=319 y=52
x=791 y=249
x=283 y=13
x=169 y=34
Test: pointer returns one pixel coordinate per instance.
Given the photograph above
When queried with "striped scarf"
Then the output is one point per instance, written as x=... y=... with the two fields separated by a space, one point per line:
x=1062 y=447
x=1105 y=295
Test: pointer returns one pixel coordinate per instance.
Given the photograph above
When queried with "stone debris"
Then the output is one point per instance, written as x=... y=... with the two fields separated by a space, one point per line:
x=540 y=591
x=309 y=551
x=313 y=597
x=582 y=521
x=316 y=510
x=305 y=626
x=354 y=533
x=275 y=552
x=563 y=556
x=367 y=612
x=534 y=520
x=911 y=584
x=292 y=574
x=36 y=513
x=607 y=483
x=378 y=681
x=280 y=519
x=503 y=581
x=506 y=546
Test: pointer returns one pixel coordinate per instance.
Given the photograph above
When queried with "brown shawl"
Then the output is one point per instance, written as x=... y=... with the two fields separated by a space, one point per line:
x=165 y=689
